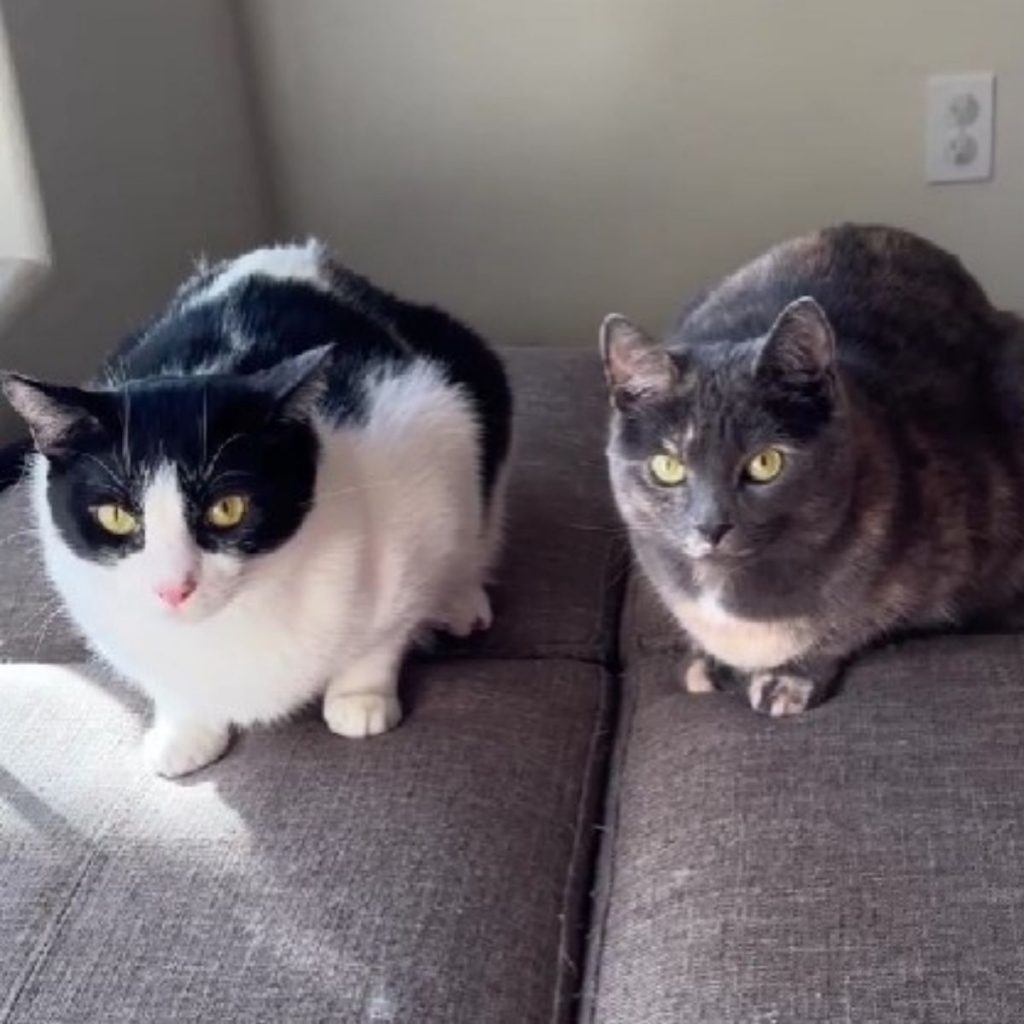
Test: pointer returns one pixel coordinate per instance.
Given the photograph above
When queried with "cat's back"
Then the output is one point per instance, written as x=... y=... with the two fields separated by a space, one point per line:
x=249 y=313
x=897 y=302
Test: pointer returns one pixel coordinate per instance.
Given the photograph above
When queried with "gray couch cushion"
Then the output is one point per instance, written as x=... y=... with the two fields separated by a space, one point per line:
x=33 y=625
x=559 y=586
x=646 y=627
x=860 y=863
x=433 y=874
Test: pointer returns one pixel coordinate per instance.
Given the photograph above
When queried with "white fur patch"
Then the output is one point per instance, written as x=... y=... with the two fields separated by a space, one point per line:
x=789 y=694
x=303 y=263
x=744 y=643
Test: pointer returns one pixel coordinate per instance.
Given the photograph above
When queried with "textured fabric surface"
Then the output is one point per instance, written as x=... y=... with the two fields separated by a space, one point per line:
x=434 y=874
x=863 y=863
x=646 y=626
x=33 y=625
x=559 y=586
x=561 y=580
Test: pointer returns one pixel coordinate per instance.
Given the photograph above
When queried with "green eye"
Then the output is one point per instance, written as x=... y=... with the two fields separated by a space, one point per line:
x=227 y=512
x=765 y=466
x=667 y=470
x=115 y=519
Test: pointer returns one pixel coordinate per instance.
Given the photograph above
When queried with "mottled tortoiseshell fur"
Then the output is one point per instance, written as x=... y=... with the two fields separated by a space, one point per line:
x=902 y=505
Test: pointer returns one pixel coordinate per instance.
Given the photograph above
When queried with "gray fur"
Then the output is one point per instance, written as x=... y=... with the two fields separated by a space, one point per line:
x=895 y=390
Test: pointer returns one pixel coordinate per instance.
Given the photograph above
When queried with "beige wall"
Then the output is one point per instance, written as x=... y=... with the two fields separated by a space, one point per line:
x=139 y=125
x=535 y=163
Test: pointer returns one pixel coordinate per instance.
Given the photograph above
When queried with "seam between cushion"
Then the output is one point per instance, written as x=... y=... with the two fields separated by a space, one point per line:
x=582 y=829
x=607 y=854
x=39 y=955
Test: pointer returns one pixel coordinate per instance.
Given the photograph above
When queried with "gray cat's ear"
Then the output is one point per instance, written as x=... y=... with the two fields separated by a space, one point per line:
x=54 y=413
x=801 y=344
x=635 y=365
x=296 y=384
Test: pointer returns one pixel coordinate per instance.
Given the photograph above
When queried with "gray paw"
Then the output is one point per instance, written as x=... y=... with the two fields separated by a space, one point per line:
x=779 y=694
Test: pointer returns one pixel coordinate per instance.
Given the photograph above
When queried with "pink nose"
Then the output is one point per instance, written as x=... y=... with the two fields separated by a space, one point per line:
x=176 y=594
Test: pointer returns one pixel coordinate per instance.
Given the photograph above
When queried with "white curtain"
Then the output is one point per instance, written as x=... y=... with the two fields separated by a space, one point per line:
x=24 y=248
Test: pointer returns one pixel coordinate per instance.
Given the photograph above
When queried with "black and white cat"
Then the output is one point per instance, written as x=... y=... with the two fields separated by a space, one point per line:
x=274 y=487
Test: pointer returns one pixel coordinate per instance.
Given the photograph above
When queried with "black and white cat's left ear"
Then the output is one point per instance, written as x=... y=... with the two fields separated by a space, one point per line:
x=296 y=384
x=635 y=365
x=54 y=413
x=801 y=346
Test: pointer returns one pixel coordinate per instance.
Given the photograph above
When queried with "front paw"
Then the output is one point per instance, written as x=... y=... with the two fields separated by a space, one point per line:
x=358 y=715
x=780 y=694
x=697 y=677
x=173 y=749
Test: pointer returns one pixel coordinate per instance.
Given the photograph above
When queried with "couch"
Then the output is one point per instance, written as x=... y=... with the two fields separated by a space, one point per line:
x=556 y=832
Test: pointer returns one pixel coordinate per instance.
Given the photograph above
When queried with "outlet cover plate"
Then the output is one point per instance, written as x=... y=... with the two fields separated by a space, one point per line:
x=960 y=120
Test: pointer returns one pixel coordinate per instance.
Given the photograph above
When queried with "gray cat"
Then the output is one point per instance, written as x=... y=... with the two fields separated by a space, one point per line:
x=828 y=449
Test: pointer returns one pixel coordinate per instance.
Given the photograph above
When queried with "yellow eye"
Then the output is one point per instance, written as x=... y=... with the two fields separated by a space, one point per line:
x=227 y=512
x=765 y=466
x=668 y=470
x=116 y=520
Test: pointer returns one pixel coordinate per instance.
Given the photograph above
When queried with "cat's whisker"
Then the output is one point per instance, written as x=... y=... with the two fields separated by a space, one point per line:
x=126 y=429
x=205 y=424
x=45 y=629
x=211 y=465
x=119 y=482
x=46 y=607
x=230 y=474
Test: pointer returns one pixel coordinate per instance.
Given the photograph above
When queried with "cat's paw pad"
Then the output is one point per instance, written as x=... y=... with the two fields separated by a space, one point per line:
x=176 y=750
x=358 y=715
x=469 y=613
x=779 y=695
x=696 y=678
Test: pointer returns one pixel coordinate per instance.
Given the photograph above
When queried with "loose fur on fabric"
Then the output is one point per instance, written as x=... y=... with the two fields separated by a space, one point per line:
x=301 y=472
x=871 y=367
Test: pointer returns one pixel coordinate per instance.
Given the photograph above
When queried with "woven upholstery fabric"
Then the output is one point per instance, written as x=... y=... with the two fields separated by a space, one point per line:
x=864 y=862
x=433 y=874
x=559 y=585
x=33 y=625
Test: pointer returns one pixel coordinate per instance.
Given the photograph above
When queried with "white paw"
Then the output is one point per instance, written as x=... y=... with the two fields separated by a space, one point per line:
x=174 y=749
x=469 y=613
x=696 y=678
x=358 y=715
x=779 y=695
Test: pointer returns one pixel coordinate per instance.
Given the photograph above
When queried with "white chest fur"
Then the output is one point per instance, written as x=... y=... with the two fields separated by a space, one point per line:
x=746 y=644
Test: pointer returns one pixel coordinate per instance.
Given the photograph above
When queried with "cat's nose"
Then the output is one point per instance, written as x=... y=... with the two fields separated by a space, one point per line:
x=176 y=594
x=714 y=533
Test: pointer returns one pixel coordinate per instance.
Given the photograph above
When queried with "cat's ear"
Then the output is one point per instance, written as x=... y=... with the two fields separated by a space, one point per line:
x=297 y=383
x=55 y=414
x=635 y=365
x=801 y=345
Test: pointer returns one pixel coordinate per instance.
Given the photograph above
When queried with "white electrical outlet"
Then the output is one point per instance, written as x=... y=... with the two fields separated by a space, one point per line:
x=960 y=127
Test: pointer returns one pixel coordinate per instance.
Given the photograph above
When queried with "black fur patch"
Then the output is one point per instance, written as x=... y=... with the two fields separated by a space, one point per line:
x=220 y=435
x=208 y=390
